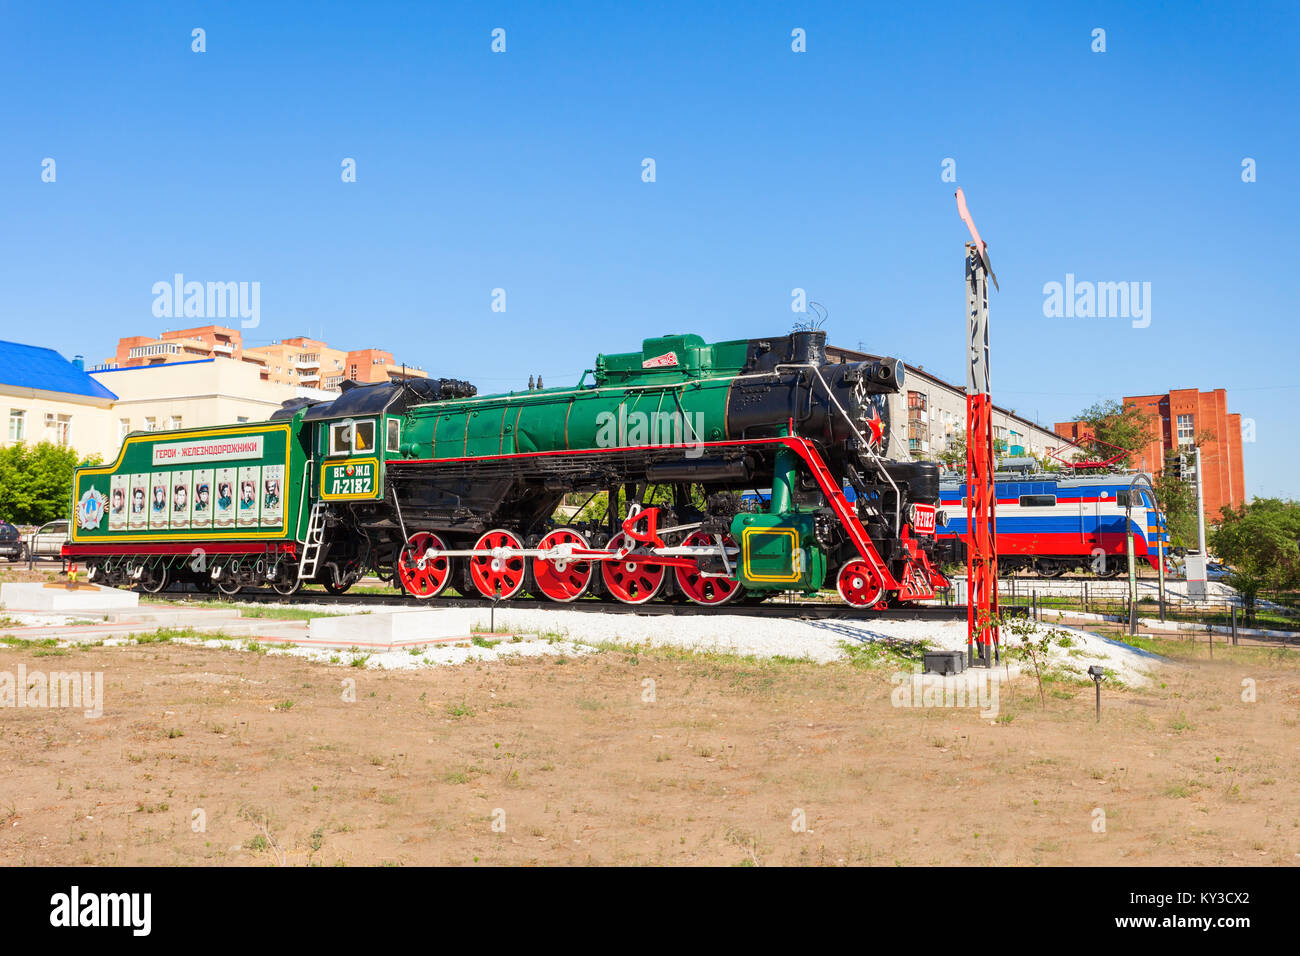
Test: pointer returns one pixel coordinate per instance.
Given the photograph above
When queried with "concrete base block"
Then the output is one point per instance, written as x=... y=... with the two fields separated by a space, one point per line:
x=389 y=630
x=17 y=596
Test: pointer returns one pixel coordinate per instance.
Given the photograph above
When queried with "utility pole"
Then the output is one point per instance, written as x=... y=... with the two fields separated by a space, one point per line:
x=1200 y=506
x=981 y=497
x=1197 y=588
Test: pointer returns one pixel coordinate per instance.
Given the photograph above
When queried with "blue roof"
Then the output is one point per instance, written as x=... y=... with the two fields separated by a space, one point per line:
x=30 y=366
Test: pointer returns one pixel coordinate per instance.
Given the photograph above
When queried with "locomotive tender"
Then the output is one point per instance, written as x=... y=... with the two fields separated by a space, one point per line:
x=428 y=484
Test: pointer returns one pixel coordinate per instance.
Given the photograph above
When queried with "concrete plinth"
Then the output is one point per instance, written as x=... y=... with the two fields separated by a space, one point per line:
x=19 y=596
x=390 y=630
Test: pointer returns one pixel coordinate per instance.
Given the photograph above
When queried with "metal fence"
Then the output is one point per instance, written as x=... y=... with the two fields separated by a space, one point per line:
x=1223 y=607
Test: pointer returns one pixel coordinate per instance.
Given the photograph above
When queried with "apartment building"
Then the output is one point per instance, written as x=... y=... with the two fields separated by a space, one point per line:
x=1178 y=421
x=929 y=413
x=296 y=362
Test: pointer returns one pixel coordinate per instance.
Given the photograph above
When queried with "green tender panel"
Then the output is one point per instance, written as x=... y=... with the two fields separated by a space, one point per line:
x=169 y=486
x=779 y=552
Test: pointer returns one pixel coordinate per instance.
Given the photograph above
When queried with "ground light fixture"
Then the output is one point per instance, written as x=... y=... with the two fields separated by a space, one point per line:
x=1097 y=672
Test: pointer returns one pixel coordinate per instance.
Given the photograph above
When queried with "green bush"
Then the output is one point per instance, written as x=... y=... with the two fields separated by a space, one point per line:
x=36 y=482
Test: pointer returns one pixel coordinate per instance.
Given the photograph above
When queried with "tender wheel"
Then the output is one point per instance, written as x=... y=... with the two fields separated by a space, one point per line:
x=563 y=579
x=499 y=574
x=631 y=580
x=287 y=588
x=228 y=584
x=706 y=590
x=154 y=578
x=422 y=570
x=858 y=585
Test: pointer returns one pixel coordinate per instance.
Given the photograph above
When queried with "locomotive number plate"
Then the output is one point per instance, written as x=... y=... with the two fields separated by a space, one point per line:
x=350 y=479
x=923 y=519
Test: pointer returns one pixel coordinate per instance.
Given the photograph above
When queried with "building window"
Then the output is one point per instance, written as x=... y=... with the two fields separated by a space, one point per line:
x=150 y=423
x=1185 y=427
x=123 y=429
x=17 y=424
x=241 y=419
x=354 y=373
x=62 y=427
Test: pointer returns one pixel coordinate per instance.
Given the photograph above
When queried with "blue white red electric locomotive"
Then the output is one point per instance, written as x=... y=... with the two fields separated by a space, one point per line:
x=1056 y=522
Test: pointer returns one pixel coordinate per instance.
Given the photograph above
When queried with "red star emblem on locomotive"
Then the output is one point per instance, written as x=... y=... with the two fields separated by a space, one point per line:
x=877 y=426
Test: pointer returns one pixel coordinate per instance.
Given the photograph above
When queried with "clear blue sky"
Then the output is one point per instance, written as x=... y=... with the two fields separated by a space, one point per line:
x=775 y=170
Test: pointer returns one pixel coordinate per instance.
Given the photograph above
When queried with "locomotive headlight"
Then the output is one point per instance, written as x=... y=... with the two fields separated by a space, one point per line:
x=890 y=372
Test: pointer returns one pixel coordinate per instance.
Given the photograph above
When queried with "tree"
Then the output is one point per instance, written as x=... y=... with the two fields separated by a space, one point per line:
x=954 y=452
x=1261 y=543
x=36 y=482
x=660 y=495
x=1123 y=426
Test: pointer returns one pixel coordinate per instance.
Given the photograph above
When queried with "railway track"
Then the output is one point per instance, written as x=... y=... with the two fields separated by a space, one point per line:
x=808 y=610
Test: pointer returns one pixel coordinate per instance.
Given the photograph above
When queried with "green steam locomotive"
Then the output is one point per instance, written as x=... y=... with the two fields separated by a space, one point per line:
x=711 y=472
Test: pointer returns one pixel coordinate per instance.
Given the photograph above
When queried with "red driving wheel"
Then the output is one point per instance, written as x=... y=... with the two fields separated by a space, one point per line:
x=423 y=571
x=562 y=579
x=708 y=591
x=631 y=580
x=858 y=584
x=501 y=574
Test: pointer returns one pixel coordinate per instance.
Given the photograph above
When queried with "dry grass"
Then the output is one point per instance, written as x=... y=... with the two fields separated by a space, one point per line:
x=554 y=761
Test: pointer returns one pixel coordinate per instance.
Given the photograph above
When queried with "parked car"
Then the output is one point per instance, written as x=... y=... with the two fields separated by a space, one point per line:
x=47 y=541
x=1214 y=571
x=12 y=545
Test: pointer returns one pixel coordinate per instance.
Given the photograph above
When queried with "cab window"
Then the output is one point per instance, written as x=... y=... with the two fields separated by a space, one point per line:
x=394 y=441
x=348 y=438
x=341 y=438
x=1038 y=501
x=363 y=437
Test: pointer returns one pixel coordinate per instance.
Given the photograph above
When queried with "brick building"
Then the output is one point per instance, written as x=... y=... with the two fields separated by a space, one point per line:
x=1179 y=420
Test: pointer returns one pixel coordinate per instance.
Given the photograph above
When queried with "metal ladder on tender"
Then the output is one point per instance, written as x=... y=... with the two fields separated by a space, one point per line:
x=313 y=542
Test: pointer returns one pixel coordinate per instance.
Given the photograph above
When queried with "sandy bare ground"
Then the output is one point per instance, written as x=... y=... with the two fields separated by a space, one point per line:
x=220 y=756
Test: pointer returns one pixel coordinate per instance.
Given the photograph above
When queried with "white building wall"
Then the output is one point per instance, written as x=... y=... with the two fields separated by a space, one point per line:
x=925 y=433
